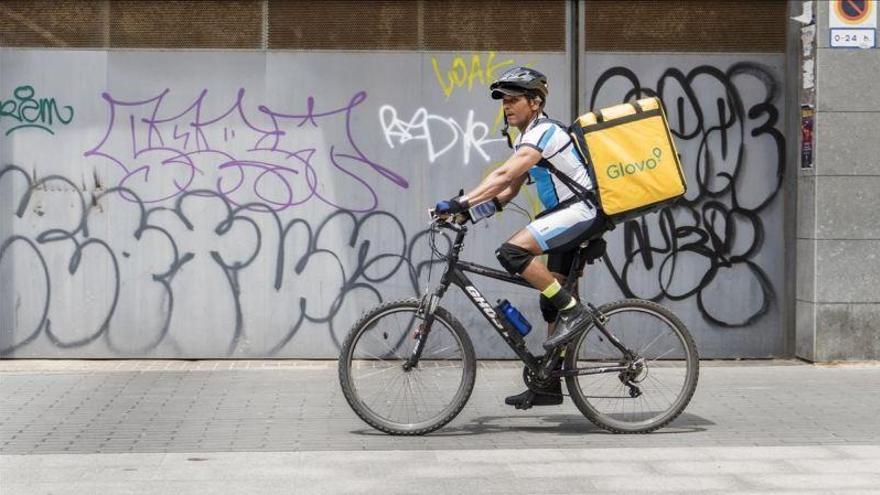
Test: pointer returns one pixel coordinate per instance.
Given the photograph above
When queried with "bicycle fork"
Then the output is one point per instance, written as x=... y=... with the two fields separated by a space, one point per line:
x=427 y=308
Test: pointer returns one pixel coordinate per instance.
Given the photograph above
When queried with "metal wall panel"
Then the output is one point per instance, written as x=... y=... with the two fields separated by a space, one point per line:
x=717 y=258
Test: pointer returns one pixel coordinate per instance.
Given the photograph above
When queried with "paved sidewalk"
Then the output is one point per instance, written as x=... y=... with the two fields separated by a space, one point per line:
x=263 y=426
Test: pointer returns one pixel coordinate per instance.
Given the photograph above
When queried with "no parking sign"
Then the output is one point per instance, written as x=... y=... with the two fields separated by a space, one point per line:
x=853 y=23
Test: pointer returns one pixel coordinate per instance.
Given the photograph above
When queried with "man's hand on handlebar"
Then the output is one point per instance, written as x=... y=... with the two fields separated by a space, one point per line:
x=454 y=206
x=459 y=210
x=458 y=218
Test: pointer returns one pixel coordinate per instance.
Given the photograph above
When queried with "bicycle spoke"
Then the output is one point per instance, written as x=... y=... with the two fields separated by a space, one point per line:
x=376 y=372
x=645 y=349
x=381 y=393
x=661 y=355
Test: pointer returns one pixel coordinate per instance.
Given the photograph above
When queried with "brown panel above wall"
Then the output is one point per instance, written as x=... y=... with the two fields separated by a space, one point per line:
x=186 y=24
x=686 y=26
x=417 y=24
x=52 y=23
x=511 y=25
x=344 y=24
x=454 y=25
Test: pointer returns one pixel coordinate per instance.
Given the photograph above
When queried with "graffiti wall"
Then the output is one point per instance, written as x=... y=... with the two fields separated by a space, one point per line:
x=231 y=204
x=717 y=257
x=249 y=204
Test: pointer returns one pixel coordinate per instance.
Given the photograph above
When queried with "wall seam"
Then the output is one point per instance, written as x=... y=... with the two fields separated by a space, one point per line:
x=839 y=239
x=264 y=21
x=841 y=303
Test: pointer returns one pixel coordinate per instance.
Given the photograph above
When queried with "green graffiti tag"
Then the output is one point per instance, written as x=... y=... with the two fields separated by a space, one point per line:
x=27 y=111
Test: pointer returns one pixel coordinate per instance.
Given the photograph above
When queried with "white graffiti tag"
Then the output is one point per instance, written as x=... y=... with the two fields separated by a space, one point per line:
x=441 y=134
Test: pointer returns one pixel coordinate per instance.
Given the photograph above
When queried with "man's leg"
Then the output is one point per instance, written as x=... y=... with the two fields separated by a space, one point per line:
x=559 y=231
x=535 y=272
x=515 y=259
x=518 y=255
x=560 y=265
x=551 y=322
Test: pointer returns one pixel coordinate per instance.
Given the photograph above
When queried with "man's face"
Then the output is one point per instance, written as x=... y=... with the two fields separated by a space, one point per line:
x=519 y=110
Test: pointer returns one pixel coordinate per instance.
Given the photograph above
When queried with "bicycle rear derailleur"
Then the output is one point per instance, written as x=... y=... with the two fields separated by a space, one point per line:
x=636 y=373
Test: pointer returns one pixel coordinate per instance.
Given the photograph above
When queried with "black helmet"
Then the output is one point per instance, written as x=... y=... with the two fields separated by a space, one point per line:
x=520 y=81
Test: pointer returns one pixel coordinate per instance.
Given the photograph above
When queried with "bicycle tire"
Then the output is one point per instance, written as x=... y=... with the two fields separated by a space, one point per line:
x=615 y=424
x=371 y=417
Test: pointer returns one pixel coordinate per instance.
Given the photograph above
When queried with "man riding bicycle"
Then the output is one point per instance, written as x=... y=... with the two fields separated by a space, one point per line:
x=567 y=221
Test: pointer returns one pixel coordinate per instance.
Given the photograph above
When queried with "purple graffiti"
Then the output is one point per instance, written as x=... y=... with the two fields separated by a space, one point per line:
x=161 y=149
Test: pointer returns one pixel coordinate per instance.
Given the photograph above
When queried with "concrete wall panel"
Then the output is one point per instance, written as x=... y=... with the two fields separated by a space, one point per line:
x=846 y=79
x=846 y=206
x=850 y=331
x=845 y=198
x=806 y=205
x=847 y=271
x=820 y=12
x=805 y=319
x=806 y=272
x=845 y=143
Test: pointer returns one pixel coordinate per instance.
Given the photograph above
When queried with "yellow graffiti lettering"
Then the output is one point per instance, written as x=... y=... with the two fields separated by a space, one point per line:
x=491 y=68
x=447 y=90
x=476 y=72
x=458 y=74
x=482 y=68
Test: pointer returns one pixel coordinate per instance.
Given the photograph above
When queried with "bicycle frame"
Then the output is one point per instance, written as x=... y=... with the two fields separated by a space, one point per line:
x=541 y=366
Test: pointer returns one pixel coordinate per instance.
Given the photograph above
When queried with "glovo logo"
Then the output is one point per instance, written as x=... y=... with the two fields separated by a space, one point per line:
x=618 y=170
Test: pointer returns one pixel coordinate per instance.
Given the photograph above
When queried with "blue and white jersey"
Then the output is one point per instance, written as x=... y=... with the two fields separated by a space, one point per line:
x=555 y=146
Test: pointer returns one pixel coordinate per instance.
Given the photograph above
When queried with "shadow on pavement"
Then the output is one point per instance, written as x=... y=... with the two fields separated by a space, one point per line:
x=564 y=424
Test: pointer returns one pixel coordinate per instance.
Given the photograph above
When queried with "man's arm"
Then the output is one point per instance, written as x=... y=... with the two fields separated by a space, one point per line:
x=504 y=178
x=508 y=194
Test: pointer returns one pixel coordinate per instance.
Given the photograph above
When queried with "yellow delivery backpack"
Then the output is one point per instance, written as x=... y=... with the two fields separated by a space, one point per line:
x=631 y=158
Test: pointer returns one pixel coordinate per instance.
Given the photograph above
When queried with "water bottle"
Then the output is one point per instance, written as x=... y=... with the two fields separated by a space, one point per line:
x=514 y=317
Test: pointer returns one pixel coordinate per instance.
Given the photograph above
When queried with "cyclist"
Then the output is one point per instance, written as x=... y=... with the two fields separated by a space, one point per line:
x=566 y=222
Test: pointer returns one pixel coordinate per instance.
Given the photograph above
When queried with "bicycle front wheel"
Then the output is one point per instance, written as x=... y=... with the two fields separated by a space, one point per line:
x=391 y=398
x=655 y=390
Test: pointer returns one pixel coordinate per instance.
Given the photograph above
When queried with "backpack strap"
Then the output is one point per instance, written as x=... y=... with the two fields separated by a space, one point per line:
x=584 y=194
x=561 y=126
x=579 y=191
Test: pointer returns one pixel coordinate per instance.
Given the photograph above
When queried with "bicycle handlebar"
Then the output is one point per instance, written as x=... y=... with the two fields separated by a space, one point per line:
x=453 y=222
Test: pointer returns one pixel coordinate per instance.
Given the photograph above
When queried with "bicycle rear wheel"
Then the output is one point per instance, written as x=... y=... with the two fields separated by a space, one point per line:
x=406 y=402
x=663 y=385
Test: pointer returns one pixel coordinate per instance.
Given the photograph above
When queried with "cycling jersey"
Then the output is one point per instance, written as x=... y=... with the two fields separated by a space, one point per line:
x=555 y=145
x=565 y=227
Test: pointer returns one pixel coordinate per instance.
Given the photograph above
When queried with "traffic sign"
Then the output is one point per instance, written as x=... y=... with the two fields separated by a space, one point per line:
x=853 y=23
x=853 y=14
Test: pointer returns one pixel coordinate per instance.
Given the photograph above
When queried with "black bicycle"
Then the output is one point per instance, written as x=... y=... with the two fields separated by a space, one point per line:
x=408 y=367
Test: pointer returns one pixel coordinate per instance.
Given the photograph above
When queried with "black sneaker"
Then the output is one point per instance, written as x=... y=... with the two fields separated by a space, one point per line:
x=529 y=398
x=571 y=323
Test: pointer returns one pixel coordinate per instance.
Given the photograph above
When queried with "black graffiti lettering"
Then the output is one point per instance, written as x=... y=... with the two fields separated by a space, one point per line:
x=231 y=253
x=714 y=220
